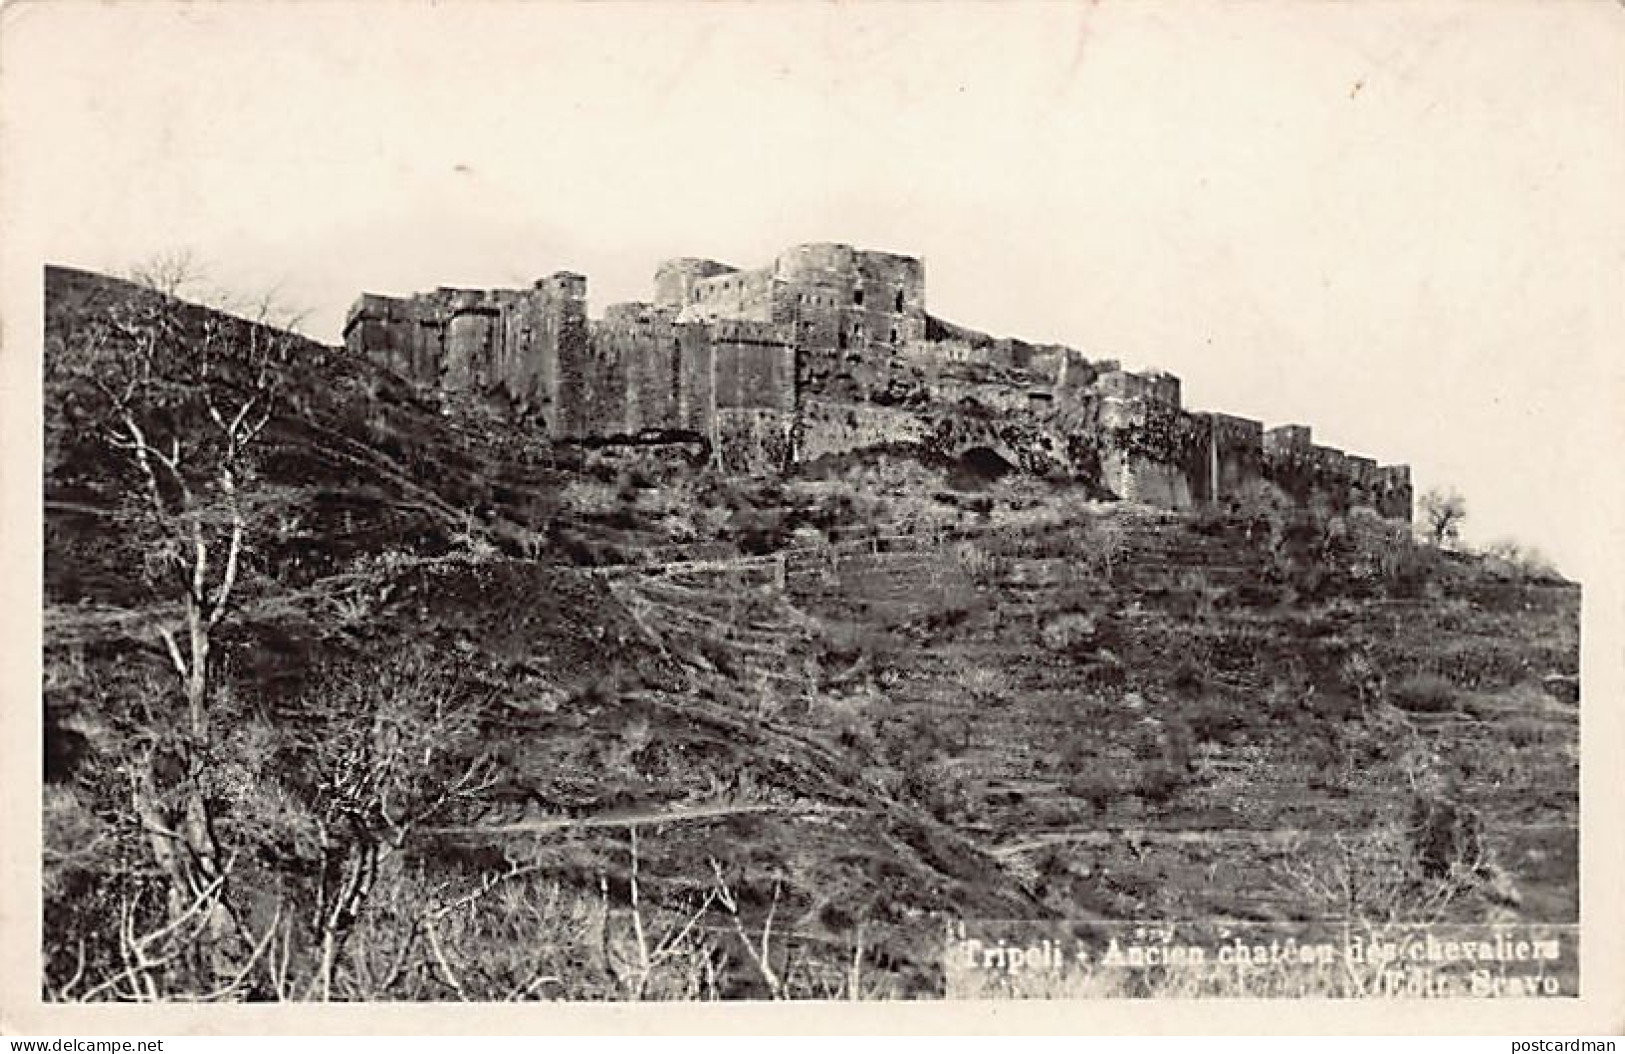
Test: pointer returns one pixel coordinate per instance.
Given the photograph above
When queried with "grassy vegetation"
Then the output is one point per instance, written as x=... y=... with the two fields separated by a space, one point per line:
x=460 y=749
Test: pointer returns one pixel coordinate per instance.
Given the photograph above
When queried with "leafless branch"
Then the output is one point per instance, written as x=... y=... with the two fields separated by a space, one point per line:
x=760 y=951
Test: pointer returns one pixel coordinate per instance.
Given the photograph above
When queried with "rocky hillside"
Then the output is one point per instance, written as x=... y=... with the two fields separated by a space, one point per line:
x=826 y=715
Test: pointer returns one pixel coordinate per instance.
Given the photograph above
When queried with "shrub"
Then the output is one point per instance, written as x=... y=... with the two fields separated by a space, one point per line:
x=851 y=643
x=587 y=498
x=1178 y=744
x=1107 y=671
x=1333 y=704
x=856 y=741
x=1215 y=721
x=986 y=686
x=1562 y=687
x=954 y=799
x=1526 y=731
x=1066 y=632
x=949 y=606
x=1188 y=678
x=1518 y=561
x=984 y=567
x=1095 y=786
x=914 y=743
x=1446 y=836
x=1424 y=693
x=1158 y=783
x=1362 y=676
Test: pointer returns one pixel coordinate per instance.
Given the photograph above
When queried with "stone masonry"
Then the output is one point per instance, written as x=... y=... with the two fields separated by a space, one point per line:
x=760 y=363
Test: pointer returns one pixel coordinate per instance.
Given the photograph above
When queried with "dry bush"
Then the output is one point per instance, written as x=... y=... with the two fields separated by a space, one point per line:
x=985 y=567
x=1528 y=731
x=1518 y=561
x=1423 y=693
x=986 y=685
x=856 y=651
x=1066 y=633
x=1098 y=786
x=1361 y=675
x=1216 y=719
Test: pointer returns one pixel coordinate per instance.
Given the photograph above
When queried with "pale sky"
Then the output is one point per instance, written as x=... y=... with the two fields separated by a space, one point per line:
x=1399 y=223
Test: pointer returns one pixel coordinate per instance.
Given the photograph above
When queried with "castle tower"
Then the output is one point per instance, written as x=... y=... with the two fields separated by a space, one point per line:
x=675 y=279
x=852 y=308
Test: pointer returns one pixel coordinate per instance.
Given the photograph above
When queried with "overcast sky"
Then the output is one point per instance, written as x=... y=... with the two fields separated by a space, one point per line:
x=1398 y=223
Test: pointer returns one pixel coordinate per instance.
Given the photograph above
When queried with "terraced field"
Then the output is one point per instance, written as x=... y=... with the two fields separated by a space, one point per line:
x=880 y=700
x=1056 y=743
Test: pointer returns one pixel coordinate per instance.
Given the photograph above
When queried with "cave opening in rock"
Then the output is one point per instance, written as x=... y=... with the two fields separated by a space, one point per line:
x=979 y=466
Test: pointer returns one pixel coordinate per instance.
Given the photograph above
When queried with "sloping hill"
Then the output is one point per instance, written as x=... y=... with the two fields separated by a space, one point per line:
x=999 y=707
x=1160 y=738
x=381 y=553
x=370 y=463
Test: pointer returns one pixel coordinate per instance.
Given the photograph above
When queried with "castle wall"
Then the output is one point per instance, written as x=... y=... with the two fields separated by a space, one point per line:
x=1362 y=481
x=552 y=344
x=847 y=307
x=401 y=335
x=852 y=309
x=504 y=341
x=1287 y=442
x=470 y=345
x=1290 y=462
x=538 y=326
x=743 y=295
x=1138 y=478
x=675 y=279
x=636 y=374
x=1394 y=493
x=1333 y=479
x=755 y=366
x=632 y=382
x=696 y=402
x=387 y=340
x=591 y=395
x=819 y=353
x=1235 y=456
x=1069 y=370
x=1324 y=476
x=1154 y=387
x=427 y=341
x=638 y=311
x=1130 y=399
x=892 y=291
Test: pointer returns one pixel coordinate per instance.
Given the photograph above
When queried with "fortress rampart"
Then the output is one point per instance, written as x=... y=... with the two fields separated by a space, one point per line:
x=829 y=349
x=640 y=372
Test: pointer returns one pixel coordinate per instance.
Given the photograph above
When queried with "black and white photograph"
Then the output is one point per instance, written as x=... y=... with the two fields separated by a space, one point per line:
x=857 y=505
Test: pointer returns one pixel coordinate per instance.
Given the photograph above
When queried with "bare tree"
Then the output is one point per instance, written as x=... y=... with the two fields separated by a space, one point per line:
x=758 y=948
x=1443 y=510
x=388 y=751
x=147 y=957
x=1525 y=561
x=658 y=953
x=1107 y=543
x=181 y=396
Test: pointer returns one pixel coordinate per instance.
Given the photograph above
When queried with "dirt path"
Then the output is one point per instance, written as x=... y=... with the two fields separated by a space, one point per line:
x=634 y=819
x=1139 y=837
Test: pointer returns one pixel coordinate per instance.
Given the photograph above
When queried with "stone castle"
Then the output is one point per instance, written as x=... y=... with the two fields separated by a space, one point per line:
x=830 y=349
